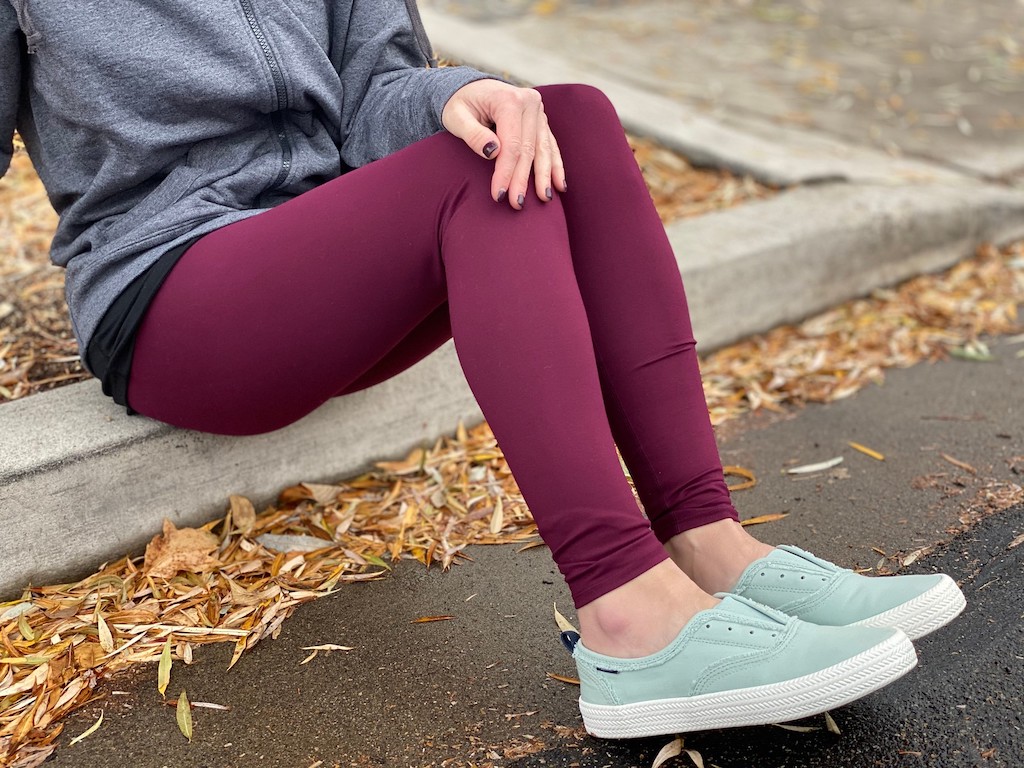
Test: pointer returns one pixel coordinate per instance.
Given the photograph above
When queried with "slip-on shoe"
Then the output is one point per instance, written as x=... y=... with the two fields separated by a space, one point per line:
x=737 y=664
x=805 y=586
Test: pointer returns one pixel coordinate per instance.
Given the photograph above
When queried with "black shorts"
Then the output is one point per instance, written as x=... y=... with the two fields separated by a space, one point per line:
x=109 y=356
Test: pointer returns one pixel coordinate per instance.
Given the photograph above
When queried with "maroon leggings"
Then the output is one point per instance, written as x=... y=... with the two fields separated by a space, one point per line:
x=569 y=320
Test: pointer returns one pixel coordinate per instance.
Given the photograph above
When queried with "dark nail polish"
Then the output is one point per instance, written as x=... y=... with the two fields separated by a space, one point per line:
x=547 y=193
x=522 y=200
x=490 y=148
x=502 y=194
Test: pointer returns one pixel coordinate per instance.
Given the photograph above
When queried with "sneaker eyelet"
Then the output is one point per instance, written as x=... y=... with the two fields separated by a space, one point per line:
x=773 y=634
x=730 y=629
x=751 y=631
x=707 y=626
x=782 y=575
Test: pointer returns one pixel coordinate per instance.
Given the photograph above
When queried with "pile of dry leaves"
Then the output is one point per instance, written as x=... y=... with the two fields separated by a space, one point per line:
x=37 y=350
x=834 y=354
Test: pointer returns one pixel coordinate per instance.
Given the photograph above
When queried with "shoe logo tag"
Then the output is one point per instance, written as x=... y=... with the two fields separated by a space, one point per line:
x=569 y=640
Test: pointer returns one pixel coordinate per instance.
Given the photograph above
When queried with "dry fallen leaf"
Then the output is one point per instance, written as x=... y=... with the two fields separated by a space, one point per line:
x=957 y=463
x=243 y=514
x=187 y=549
x=867 y=451
x=563 y=678
x=163 y=677
x=106 y=640
x=674 y=749
x=428 y=619
x=749 y=482
x=913 y=556
x=88 y=731
x=184 y=715
x=830 y=724
x=563 y=623
x=770 y=518
x=819 y=467
x=497 y=518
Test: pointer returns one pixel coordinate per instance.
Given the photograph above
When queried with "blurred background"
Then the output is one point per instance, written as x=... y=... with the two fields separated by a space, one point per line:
x=937 y=78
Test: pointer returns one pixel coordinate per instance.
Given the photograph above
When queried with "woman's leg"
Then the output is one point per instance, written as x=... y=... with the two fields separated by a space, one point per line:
x=264 y=320
x=636 y=306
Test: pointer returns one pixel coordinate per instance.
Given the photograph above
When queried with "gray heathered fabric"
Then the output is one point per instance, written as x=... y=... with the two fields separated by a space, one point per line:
x=150 y=123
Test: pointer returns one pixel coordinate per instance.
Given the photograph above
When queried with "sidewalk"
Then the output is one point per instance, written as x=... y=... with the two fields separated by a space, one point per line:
x=473 y=690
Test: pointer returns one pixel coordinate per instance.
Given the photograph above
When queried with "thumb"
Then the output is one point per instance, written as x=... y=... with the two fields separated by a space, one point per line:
x=481 y=139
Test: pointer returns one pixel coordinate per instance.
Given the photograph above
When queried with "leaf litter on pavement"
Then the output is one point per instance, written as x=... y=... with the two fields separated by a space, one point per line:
x=225 y=582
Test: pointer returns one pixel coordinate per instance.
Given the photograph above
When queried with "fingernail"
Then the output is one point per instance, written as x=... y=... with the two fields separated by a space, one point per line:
x=547 y=193
x=490 y=148
x=565 y=185
x=502 y=194
x=521 y=199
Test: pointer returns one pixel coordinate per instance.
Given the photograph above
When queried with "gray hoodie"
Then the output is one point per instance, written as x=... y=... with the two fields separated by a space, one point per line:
x=150 y=123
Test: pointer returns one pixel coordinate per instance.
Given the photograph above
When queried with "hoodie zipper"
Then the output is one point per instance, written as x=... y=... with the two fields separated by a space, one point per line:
x=420 y=33
x=277 y=119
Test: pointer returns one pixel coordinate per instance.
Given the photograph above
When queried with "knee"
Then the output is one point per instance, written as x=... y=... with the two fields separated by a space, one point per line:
x=577 y=99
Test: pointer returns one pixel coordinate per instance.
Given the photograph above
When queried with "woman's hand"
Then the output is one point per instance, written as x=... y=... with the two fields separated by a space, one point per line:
x=508 y=124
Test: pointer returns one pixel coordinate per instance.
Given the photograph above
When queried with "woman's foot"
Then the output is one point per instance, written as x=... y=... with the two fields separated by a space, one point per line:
x=723 y=557
x=810 y=588
x=643 y=615
x=715 y=555
x=738 y=663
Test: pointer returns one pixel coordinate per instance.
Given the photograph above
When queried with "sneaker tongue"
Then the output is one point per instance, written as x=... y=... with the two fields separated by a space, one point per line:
x=744 y=606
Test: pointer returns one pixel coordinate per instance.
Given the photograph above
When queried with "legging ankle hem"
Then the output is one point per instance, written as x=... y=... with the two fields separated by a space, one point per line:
x=665 y=529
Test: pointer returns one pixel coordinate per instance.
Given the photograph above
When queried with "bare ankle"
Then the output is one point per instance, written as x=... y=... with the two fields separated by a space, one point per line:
x=644 y=615
x=714 y=555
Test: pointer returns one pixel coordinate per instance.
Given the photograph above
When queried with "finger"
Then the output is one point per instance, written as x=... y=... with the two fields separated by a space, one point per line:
x=557 y=165
x=525 y=152
x=464 y=124
x=542 y=162
x=508 y=118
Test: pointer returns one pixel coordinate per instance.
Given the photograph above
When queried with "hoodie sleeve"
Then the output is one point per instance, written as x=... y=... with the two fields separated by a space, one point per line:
x=392 y=95
x=10 y=81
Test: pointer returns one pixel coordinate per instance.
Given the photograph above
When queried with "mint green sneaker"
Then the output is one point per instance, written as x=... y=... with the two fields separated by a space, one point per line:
x=809 y=588
x=736 y=664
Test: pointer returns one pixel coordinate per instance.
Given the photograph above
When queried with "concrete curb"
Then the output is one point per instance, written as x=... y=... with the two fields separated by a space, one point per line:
x=80 y=483
x=751 y=268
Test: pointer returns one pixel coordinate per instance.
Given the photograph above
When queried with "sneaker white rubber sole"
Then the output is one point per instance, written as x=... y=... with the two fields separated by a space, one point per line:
x=925 y=613
x=760 y=705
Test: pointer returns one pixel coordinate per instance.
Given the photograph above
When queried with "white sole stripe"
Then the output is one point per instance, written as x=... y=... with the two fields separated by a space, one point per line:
x=925 y=613
x=759 y=705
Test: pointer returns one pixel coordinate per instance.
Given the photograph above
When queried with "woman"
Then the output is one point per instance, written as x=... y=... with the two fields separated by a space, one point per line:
x=228 y=271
